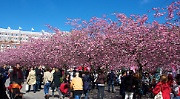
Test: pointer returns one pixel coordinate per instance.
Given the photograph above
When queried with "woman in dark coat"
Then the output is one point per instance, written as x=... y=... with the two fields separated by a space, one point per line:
x=56 y=80
x=3 y=94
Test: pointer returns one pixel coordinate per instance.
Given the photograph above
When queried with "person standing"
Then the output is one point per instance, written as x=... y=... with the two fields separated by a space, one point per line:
x=86 y=84
x=176 y=87
x=111 y=78
x=17 y=75
x=48 y=78
x=163 y=86
x=122 y=87
x=4 y=72
x=129 y=85
x=101 y=84
x=38 y=78
x=31 y=80
x=56 y=80
x=77 y=86
x=145 y=83
x=3 y=94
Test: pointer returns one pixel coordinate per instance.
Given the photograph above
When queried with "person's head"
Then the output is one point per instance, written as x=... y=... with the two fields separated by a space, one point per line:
x=124 y=73
x=87 y=73
x=17 y=65
x=67 y=75
x=40 y=67
x=48 y=69
x=131 y=72
x=137 y=75
x=146 y=74
x=164 y=78
x=56 y=69
x=4 y=65
x=170 y=77
x=77 y=74
x=32 y=68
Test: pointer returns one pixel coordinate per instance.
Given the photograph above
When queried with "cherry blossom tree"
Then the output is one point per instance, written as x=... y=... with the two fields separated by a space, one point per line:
x=108 y=43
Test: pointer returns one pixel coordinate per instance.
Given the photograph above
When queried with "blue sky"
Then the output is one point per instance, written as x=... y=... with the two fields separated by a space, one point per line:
x=37 y=13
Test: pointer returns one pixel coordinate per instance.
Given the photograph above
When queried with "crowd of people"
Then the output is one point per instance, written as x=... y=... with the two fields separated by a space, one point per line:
x=74 y=83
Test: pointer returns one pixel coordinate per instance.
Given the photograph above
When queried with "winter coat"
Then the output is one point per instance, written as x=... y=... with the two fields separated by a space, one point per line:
x=3 y=94
x=31 y=79
x=130 y=83
x=111 y=76
x=101 y=80
x=17 y=76
x=56 y=78
x=86 y=83
x=164 y=88
x=38 y=74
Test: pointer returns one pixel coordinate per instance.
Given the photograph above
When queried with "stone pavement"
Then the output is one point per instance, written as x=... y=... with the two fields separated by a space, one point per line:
x=92 y=94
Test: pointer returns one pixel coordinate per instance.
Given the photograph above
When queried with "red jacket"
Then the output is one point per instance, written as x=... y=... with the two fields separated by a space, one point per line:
x=165 y=89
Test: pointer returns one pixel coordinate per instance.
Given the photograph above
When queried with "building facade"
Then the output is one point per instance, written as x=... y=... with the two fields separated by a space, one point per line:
x=12 y=38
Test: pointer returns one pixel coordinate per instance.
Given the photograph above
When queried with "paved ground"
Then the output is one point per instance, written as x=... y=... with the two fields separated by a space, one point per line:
x=92 y=95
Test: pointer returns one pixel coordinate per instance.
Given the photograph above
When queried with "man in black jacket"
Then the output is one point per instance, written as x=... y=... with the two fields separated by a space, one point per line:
x=129 y=84
x=3 y=94
x=38 y=77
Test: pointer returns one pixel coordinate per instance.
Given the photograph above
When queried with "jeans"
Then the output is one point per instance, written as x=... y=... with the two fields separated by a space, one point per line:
x=100 y=92
x=177 y=97
x=129 y=95
x=110 y=83
x=38 y=84
x=34 y=87
x=59 y=92
x=46 y=88
x=77 y=94
x=86 y=94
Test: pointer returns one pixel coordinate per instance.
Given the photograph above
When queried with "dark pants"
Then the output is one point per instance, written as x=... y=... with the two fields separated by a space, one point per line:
x=38 y=84
x=110 y=84
x=78 y=93
x=100 y=92
x=34 y=87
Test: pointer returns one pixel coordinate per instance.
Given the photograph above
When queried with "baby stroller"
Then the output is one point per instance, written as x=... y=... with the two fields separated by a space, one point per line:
x=14 y=91
x=64 y=88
